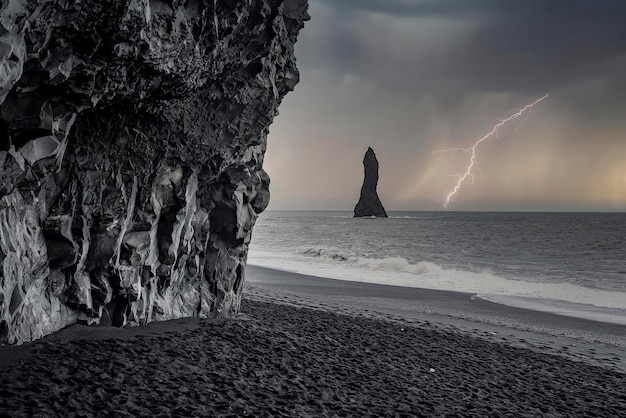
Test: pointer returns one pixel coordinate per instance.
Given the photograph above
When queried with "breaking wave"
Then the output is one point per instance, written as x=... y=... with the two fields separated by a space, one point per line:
x=399 y=264
x=341 y=264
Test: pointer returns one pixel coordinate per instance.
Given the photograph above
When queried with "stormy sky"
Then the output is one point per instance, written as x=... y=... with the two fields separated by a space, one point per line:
x=412 y=77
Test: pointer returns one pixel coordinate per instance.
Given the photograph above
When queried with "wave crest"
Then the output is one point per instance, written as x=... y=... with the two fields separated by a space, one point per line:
x=399 y=264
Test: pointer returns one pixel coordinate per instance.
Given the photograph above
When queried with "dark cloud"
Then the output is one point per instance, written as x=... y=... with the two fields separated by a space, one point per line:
x=544 y=45
x=409 y=8
x=570 y=11
x=525 y=46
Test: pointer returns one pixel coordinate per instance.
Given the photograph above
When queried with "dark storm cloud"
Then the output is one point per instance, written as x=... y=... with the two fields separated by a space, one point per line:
x=407 y=8
x=581 y=10
x=529 y=45
x=526 y=46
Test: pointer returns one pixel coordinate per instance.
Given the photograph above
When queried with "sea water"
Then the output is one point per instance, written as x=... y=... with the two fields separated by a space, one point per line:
x=567 y=263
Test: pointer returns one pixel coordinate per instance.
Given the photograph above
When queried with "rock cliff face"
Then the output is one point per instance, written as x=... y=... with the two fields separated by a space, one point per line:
x=132 y=136
x=369 y=204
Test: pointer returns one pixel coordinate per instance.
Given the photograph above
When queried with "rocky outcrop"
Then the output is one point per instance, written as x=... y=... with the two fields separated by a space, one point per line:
x=132 y=136
x=369 y=204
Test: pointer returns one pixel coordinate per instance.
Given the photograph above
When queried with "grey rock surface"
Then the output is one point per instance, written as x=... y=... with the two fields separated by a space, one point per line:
x=132 y=136
x=369 y=203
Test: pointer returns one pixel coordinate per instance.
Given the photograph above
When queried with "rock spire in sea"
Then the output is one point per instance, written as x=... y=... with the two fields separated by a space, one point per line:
x=369 y=203
x=132 y=136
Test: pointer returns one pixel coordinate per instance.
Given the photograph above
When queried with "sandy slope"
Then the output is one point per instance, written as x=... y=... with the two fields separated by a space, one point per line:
x=280 y=360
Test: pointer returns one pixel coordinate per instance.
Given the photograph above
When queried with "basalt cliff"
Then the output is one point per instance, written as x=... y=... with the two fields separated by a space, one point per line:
x=369 y=203
x=132 y=135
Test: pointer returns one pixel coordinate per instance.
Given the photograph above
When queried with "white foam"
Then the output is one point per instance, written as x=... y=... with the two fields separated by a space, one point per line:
x=559 y=307
x=399 y=264
x=340 y=264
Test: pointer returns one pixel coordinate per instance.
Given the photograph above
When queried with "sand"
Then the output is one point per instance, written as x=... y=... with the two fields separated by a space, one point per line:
x=597 y=343
x=282 y=358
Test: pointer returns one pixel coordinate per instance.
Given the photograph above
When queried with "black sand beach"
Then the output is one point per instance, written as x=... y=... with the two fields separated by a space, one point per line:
x=595 y=342
x=282 y=358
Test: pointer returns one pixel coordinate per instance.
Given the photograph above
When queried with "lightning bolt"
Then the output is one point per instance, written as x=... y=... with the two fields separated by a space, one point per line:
x=461 y=178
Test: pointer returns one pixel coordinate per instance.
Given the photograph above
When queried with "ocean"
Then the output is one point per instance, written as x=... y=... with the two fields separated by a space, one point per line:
x=566 y=263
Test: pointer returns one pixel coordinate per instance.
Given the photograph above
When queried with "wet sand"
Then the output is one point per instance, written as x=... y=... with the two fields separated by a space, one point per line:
x=294 y=352
x=597 y=343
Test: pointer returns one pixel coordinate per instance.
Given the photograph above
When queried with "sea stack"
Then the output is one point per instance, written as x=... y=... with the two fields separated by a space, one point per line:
x=132 y=136
x=369 y=204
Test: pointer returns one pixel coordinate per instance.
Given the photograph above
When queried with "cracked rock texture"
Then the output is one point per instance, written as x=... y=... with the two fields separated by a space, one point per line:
x=132 y=135
x=369 y=203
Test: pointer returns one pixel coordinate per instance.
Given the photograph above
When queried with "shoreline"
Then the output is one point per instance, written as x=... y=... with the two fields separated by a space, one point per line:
x=612 y=308
x=595 y=342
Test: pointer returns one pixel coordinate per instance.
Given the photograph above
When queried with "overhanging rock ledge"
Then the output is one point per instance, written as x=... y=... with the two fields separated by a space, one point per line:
x=132 y=136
